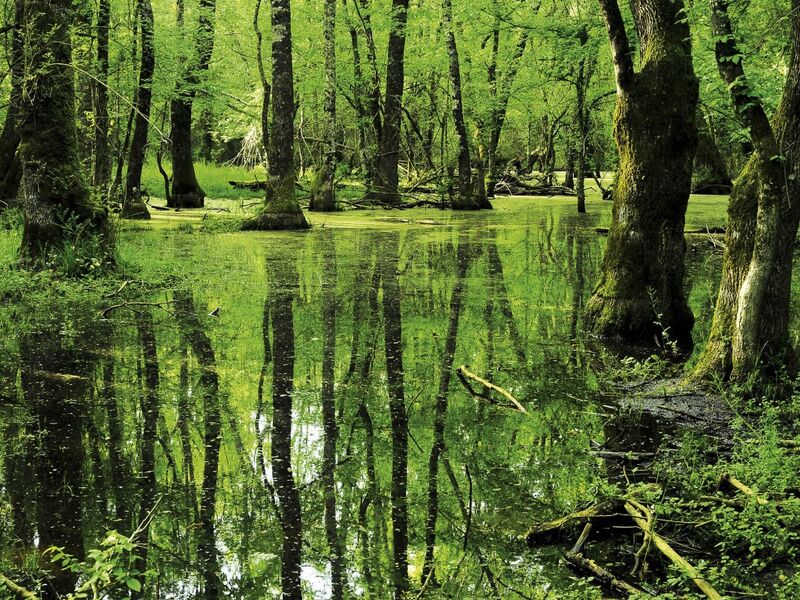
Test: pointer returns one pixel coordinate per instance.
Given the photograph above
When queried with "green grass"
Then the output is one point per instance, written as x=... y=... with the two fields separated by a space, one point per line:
x=213 y=179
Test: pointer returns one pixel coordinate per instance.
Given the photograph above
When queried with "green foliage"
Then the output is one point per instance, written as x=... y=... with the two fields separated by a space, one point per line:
x=107 y=570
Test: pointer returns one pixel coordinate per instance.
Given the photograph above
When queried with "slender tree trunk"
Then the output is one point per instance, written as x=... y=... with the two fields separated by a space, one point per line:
x=440 y=414
x=150 y=410
x=283 y=289
x=192 y=330
x=393 y=338
x=102 y=155
x=54 y=192
x=465 y=200
x=325 y=197
x=751 y=321
x=10 y=165
x=389 y=160
x=641 y=281
x=281 y=210
x=133 y=206
x=330 y=426
x=186 y=191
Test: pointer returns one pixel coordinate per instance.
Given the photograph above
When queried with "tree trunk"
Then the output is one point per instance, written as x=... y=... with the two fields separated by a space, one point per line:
x=440 y=414
x=640 y=296
x=283 y=289
x=465 y=200
x=330 y=426
x=324 y=199
x=102 y=156
x=750 y=328
x=54 y=192
x=281 y=210
x=393 y=338
x=10 y=166
x=193 y=333
x=133 y=206
x=186 y=191
x=389 y=159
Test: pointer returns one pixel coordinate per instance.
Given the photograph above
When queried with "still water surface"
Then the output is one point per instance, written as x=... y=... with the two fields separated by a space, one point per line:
x=174 y=414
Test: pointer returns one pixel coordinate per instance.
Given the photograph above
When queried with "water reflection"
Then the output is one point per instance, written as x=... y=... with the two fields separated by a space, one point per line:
x=304 y=437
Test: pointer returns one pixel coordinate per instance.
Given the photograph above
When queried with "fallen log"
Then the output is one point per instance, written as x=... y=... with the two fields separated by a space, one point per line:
x=551 y=531
x=642 y=516
x=735 y=483
x=602 y=575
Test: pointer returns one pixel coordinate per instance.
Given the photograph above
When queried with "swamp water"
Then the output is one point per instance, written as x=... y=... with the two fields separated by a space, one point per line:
x=159 y=410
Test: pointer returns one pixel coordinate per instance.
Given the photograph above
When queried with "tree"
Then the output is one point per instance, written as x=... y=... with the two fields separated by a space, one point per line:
x=389 y=159
x=133 y=206
x=186 y=191
x=640 y=296
x=466 y=199
x=750 y=329
x=55 y=197
x=10 y=166
x=102 y=156
x=324 y=198
x=281 y=210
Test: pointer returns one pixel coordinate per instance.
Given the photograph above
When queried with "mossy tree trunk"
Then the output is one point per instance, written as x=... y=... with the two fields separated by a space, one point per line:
x=389 y=159
x=281 y=210
x=640 y=294
x=55 y=197
x=186 y=191
x=324 y=198
x=465 y=199
x=750 y=328
x=133 y=206
x=10 y=166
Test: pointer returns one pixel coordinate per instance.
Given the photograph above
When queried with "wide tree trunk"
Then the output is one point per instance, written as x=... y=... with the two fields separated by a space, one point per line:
x=751 y=321
x=55 y=196
x=281 y=210
x=386 y=185
x=324 y=198
x=10 y=166
x=186 y=191
x=133 y=206
x=640 y=296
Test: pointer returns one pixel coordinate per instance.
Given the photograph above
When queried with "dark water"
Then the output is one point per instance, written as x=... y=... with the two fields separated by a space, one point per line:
x=212 y=435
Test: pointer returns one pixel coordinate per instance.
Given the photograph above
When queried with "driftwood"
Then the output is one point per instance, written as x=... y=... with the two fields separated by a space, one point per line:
x=642 y=516
x=464 y=375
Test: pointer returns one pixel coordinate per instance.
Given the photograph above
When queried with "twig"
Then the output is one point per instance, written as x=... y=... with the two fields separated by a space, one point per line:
x=464 y=374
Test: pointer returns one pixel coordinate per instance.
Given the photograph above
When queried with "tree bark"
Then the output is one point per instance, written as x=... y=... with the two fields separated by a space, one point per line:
x=324 y=200
x=133 y=206
x=54 y=192
x=750 y=328
x=465 y=200
x=281 y=209
x=640 y=296
x=10 y=166
x=389 y=159
x=186 y=191
x=102 y=156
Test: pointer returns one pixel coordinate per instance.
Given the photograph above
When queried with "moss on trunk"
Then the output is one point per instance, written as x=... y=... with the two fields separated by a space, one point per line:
x=55 y=196
x=640 y=295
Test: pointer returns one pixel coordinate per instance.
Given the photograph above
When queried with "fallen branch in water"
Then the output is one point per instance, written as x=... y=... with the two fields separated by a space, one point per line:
x=735 y=483
x=602 y=575
x=553 y=529
x=463 y=375
x=642 y=516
